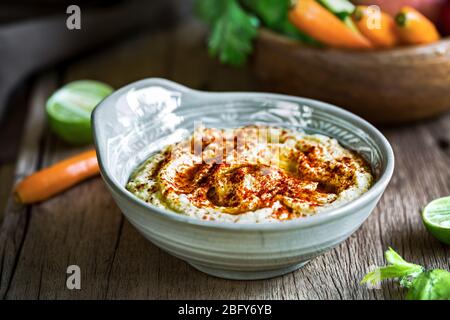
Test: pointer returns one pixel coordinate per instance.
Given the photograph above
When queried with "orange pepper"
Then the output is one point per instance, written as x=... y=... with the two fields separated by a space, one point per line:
x=313 y=19
x=414 y=28
x=52 y=180
x=378 y=28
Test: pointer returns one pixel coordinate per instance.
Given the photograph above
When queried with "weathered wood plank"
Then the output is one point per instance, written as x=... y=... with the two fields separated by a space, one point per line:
x=16 y=218
x=61 y=231
x=6 y=177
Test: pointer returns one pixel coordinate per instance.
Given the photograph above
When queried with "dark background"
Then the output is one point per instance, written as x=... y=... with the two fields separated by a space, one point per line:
x=34 y=37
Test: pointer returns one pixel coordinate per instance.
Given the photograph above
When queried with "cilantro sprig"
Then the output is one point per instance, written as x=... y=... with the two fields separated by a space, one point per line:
x=422 y=284
x=232 y=29
x=234 y=24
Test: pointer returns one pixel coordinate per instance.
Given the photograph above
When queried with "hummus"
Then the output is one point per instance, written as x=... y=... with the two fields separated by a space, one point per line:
x=251 y=174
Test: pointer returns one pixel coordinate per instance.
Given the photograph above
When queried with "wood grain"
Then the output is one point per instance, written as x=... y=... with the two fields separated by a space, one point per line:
x=6 y=177
x=83 y=226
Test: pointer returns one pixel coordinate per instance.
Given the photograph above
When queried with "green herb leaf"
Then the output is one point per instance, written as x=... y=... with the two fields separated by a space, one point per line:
x=232 y=30
x=430 y=285
x=398 y=268
x=349 y=23
x=209 y=10
x=423 y=284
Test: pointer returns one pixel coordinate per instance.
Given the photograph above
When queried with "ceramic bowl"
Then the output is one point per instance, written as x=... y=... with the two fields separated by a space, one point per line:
x=139 y=119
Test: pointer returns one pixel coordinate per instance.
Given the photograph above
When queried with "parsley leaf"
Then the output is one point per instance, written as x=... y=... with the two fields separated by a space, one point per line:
x=232 y=29
x=397 y=268
x=234 y=25
x=271 y=12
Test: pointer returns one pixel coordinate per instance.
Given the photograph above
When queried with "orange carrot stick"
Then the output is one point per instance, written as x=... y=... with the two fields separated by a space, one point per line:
x=378 y=27
x=414 y=28
x=48 y=182
x=313 y=19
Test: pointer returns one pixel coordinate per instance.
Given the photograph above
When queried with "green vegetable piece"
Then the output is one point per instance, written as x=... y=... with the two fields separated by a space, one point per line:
x=341 y=8
x=436 y=218
x=209 y=10
x=69 y=109
x=274 y=15
x=430 y=285
x=271 y=12
x=423 y=284
x=232 y=30
x=397 y=268
x=234 y=25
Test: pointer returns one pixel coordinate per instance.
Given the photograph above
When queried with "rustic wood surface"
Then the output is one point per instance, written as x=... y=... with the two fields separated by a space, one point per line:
x=83 y=226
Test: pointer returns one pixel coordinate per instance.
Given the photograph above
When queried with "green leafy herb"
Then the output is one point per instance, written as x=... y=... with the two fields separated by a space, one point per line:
x=341 y=8
x=430 y=285
x=232 y=29
x=436 y=218
x=271 y=12
x=234 y=25
x=422 y=284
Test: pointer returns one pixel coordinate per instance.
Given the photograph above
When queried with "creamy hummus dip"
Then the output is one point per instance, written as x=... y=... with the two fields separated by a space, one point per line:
x=251 y=174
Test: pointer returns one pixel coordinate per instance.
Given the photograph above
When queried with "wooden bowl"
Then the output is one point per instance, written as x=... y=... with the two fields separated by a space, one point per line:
x=389 y=86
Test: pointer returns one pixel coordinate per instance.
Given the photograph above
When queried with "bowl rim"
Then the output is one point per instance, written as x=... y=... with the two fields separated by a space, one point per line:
x=327 y=216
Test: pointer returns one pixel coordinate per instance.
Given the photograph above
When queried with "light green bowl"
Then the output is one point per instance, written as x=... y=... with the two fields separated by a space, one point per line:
x=139 y=119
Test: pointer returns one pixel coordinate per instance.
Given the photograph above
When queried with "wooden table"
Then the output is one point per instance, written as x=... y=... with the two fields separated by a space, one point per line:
x=83 y=226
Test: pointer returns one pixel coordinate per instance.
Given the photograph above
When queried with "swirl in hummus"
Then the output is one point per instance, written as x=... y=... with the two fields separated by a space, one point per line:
x=251 y=174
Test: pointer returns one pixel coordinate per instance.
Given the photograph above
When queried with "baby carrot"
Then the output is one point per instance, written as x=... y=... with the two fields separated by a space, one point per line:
x=414 y=28
x=49 y=181
x=310 y=17
x=378 y=27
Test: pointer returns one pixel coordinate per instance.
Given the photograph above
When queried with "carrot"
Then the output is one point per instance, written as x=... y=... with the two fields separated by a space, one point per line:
x=313 y=19
x=414 y=28
x=378 y=27
x=48 y=182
